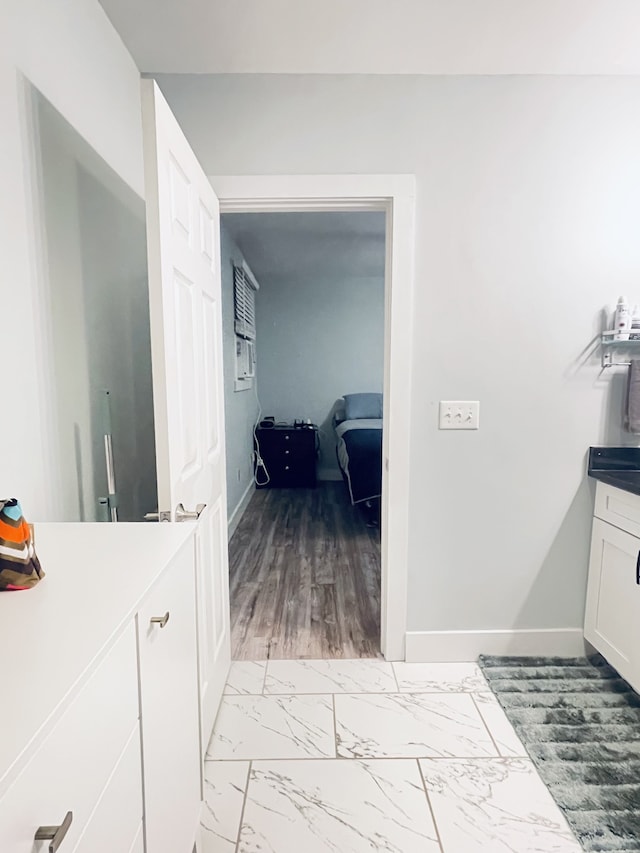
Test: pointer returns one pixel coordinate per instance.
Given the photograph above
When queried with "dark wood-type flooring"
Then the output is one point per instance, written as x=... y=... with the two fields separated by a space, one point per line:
x=304 y=577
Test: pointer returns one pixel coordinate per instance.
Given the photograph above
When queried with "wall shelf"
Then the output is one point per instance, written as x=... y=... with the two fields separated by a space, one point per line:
x=609 y=345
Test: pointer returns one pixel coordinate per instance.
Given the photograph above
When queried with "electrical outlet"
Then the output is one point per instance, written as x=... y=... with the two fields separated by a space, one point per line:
x=459 y=414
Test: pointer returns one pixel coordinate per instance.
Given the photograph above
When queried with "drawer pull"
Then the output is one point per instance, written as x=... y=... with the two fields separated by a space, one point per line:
x=160 y=620
x=638 y=569
x=55 y=834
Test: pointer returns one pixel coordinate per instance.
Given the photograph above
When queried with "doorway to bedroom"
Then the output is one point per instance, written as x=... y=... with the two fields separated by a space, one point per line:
x=304 y=327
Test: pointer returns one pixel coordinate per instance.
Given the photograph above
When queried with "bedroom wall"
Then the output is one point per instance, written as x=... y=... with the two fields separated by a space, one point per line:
x=528 y=211
x=319 y=338
x=72 y=54
x=240 y=407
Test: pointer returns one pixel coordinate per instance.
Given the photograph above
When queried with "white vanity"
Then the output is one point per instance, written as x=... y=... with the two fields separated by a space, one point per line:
x=99 y=707
x=612 y=618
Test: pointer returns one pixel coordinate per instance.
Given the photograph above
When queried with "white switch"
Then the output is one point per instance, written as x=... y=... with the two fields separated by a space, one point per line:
x=459 y=414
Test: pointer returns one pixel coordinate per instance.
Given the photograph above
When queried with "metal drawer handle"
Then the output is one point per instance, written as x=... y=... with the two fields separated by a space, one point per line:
x=54 y=834
x=160 y=620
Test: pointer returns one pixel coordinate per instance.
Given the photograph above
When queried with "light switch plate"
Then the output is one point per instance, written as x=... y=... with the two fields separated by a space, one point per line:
x=459 y=414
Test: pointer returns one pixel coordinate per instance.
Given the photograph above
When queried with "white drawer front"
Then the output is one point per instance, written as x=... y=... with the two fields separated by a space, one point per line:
x=138 y=844
x=69 y=770
x=617 y=507
x=118 y=815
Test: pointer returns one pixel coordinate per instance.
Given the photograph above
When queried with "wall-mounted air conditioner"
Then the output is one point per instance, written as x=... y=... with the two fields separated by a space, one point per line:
x=245 y=358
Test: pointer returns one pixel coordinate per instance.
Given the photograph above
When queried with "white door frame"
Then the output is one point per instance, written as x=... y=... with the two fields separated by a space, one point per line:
x=395 y=194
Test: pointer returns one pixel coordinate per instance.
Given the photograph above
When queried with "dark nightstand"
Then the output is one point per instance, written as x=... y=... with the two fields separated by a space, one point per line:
x=289 y=455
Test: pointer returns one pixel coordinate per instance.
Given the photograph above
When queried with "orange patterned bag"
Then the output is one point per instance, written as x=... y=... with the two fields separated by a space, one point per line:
x=19 y=565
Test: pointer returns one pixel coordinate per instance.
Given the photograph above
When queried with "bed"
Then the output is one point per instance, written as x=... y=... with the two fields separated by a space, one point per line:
x=358 y=428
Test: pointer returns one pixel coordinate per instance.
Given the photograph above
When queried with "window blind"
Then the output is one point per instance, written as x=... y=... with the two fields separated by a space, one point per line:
x=244 y=301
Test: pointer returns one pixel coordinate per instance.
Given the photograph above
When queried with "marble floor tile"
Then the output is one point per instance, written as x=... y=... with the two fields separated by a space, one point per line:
x=499 y=805
x=246 y=676
x=225 y=784
x=439 y=677
x=337 y=806
x=408 y=725
x=501 y=730
x=329 y=676
x=250 y=727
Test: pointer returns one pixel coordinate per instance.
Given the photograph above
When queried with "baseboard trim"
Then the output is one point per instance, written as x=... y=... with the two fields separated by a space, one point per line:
x=236 y=515
x=434 y=646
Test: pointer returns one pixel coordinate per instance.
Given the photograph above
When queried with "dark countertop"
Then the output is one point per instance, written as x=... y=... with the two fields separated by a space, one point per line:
x=617 y=466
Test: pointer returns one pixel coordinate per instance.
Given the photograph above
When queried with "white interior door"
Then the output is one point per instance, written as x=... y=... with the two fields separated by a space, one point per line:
x=183 y=239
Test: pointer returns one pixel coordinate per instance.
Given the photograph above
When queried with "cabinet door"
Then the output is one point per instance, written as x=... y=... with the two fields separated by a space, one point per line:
x=169 y=708
x=612 y=618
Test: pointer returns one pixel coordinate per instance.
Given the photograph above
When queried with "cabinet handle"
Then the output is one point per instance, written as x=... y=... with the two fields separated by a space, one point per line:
x=160 y=620
x=638 y=569
x=54 y=834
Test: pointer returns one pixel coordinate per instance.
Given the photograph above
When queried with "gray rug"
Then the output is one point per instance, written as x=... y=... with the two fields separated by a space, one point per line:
x=580 y=723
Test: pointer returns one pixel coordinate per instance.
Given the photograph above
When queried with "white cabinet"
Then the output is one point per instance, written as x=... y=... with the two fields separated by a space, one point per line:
x=73 y=765
x=612 y=618
x=99 y=712
x=169 y=706
x=116 y=822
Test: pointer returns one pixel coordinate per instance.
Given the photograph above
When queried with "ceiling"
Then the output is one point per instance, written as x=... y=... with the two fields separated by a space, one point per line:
x=307 y=245
x=380 y=36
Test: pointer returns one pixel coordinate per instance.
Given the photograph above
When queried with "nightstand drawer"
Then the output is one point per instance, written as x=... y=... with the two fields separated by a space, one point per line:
x=290 y=476
x=287 y=455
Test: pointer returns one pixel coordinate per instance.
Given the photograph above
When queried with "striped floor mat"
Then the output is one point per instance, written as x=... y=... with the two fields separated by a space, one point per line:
x=580 y=723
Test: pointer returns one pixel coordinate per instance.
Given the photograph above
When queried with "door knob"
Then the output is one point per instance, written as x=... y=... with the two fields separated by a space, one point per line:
x=183 y=515
x=157 y=516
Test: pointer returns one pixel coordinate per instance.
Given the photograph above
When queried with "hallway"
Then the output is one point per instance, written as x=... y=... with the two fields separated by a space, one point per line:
x=304 y=576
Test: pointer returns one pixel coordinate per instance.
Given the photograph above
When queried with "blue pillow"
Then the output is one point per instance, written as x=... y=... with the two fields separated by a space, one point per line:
x=362 y=406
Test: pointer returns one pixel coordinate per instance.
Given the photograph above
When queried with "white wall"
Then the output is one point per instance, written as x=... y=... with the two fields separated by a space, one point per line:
x=528 y=214
x=318 y=338
x=240 y=407
x=70 y=52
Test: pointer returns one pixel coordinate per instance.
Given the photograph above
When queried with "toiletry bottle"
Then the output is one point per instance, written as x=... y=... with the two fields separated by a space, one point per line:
x=634 y=335
x=622 y=322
